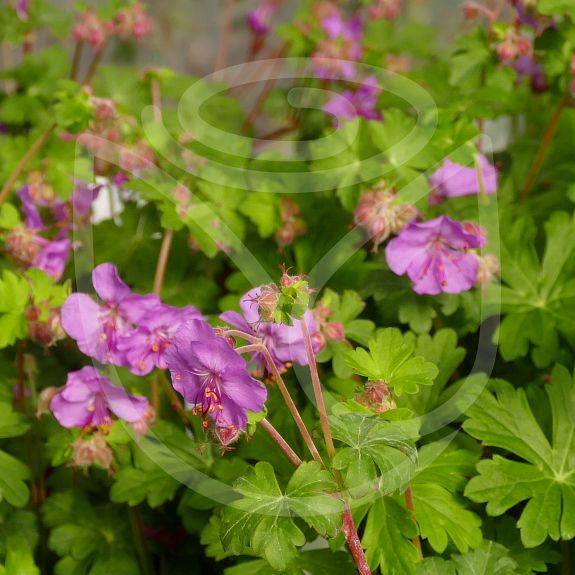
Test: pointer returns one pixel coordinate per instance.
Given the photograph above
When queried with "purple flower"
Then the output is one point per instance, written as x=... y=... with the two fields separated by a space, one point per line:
x=88 y=398
x=32 y=217
x=435 y=256
x=211 y=375
x=453 y=180
x=83 y=197
x=53 y=257
x=527 y=66
x=145 y=346
x=23 y=9
x=259 y=18
x=335 y=55
x=96 y=328
x=362 y=102
x=284 y=342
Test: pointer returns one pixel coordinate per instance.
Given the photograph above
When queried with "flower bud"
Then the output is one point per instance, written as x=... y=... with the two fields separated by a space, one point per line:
x=141 y=426
x=377 y=396
x=488 y=267
x=44 y=399
x=227 y=436
x=93 y=450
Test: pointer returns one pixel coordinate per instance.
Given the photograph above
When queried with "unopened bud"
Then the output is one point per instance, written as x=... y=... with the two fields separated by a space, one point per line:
x=93 y=450
x=44 y=399
x=377 y=396
x=488 y=267
x=227 y=436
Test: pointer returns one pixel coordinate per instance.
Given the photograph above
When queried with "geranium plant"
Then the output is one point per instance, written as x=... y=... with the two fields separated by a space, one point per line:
x=310 y=313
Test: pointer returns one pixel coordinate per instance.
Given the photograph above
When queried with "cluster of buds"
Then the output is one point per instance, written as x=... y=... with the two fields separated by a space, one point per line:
x=44 y=325
x=182 y=197
x=23 y=245
x=376 y=396
x=385 y=10
x=92 y=450
x=488 y=267
x=131 y=21
x=283 y=303
x=379 y=214
x=292 y=226
x=513 y=46
x=326 y=330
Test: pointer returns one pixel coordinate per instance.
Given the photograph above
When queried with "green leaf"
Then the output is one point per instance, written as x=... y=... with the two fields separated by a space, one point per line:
x=12 y=423
x=390 y=360
x=12 y=475
x=387 y=538
x=545 y=478
x=372 y=444
x=9 y=217
x=13 y=300
x=440 y=511
x=261 y=519
x=489 y=559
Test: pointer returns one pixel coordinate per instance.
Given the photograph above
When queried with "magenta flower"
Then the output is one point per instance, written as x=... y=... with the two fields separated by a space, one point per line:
x=284 y=342
x=362 y=102
x=23 y=9
x=88 y=399
x=83 y=197
x=53 y=257
x=259 y=18
x=452 y=180
x=435 y=256
x=145 y=346
x=528 y=67
x=96 y=328
x=336 y=54
x=211 y=375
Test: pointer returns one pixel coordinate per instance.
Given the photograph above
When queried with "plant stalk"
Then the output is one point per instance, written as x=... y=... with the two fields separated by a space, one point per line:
x=320 y=403
x=411 y=508
x=283 y=444
x=545 y=142
x=354 y=543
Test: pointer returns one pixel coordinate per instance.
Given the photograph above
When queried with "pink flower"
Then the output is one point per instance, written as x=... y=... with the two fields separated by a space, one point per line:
x=89 y=399
x=452 y=180
x=435 y=255
x=133 y=21
x=212 y=376
x=97 y=328
x=362 y=102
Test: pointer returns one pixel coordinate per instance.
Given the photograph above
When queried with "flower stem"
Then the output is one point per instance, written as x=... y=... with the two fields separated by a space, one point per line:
x=163 y=261
x=317 y=390
x=32 y=151
x=77 y=58
x=411 y=508
x=283 y=444
x=545 y=142
x=94 y=65
x=222 y=56
x=174 y=400
x=354 y=543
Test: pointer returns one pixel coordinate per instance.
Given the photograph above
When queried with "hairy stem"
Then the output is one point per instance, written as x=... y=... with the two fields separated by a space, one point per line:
x=26 y=158
x=411 y=508
x=545 y=142
x=354 y=543
x=283 y=444
x=316 y=384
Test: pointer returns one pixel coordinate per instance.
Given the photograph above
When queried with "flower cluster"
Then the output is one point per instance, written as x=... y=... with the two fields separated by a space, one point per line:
x=284 y=342
x=335 y=54
x=361 y=102
x=131 y=21
x=125 y=329
x=42 y=240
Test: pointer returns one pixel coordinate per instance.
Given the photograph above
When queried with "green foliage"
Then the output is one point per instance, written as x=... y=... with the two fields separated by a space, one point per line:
x=13 y=299
x=262 y=520
x=544 y=477
x=390 y=360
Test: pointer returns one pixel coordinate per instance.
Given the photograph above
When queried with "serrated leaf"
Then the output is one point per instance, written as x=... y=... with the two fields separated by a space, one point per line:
x=12 y=475
x=387 y=538
x=262 y=520
x=545 y=480
x=390 y=360
x=12 y=423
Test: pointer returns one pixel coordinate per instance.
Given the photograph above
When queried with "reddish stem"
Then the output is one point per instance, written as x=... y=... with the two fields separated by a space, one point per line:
x=76 y=59
x=163 y=261
x=222 y=56
x=283 y=444
x=411 y=508
x=316 y=384
x=354 y=543
x=545 y=142
x=94 y=65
